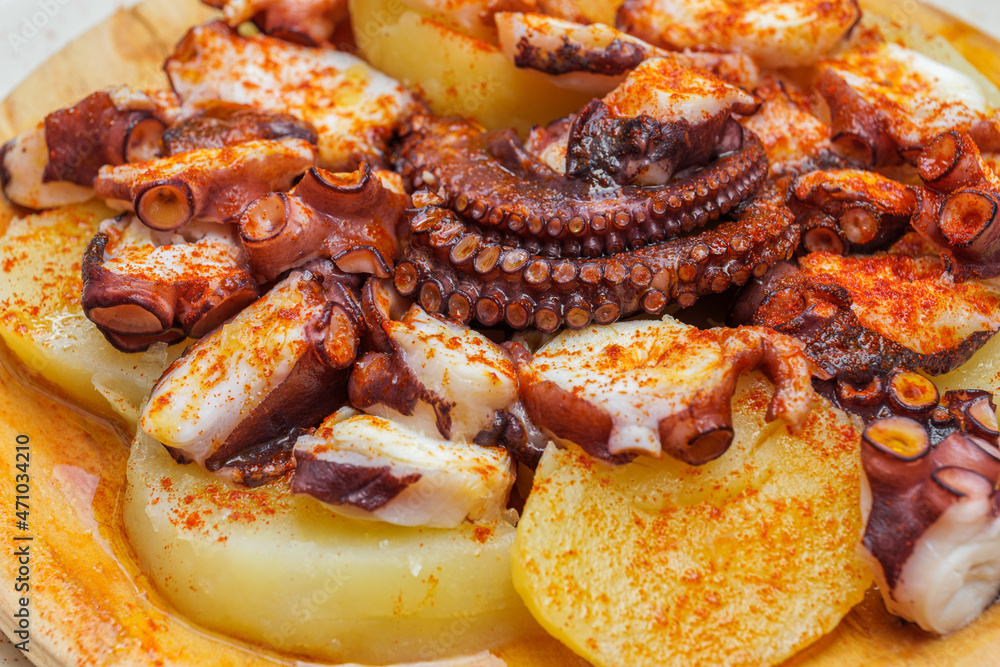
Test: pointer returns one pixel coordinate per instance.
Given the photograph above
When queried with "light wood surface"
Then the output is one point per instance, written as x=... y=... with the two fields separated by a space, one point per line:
x=91 y=604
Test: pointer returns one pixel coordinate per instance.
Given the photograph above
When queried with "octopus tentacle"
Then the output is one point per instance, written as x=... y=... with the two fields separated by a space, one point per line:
x=931 y=516
x=349 y=218
x=595 y=57
x=452 y=269
x=112 y=126
x=579 y=387
x=217 y=124
x=889 y=102
x=959 y=212
x=491 y=179
x=213 y=184
x=55 y=163
x=850 y=210
x=310 y=327
x=847 y=312
x=139 y=293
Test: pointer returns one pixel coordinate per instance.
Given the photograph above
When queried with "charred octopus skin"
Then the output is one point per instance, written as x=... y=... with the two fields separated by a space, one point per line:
x=932 y=532
x=600 y=181
x=796 y=141
x=454 y=268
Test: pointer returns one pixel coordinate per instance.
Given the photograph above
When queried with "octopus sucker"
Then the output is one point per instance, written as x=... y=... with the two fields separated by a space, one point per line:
x=350 y=218
x=932 y=526
x=847 y=210
x=633 y=167
x=959 y=211
x=402 y=317
x=139 y=290
x=454 y=158
x=213 y=184
x=494 y=284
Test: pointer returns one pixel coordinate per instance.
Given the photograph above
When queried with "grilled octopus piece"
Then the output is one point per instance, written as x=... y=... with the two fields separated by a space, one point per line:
x=931 y=507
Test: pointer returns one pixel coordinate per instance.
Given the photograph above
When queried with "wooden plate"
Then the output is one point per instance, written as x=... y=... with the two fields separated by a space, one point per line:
x=90 y=604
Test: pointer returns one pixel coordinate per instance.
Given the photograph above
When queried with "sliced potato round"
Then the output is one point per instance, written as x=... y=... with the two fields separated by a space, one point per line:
x=456 y=73
x=742 y=561
x=41 y=320
x=981 y=371
x=282 y=570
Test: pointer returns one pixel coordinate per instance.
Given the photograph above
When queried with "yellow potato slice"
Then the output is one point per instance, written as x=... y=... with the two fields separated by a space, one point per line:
x=282 y=570
x=743 y=561
x=457 y=74
x=599 y=11
x=43 y=324
x=981 y=371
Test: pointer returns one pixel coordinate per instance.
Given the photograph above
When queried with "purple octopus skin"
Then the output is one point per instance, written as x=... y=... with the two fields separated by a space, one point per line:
x=467 y=272
x=97 y=132
x=494 y=181
x=366 y=487
x=931 y=471
x=350 y=218
x=218 y=124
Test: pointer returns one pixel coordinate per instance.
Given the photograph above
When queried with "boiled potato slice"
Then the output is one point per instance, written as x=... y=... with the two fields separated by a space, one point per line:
x=457 y=74
x=982 y=371
x=41 y=320
x=270 y=567
x=599 y=11
x=742 y=561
